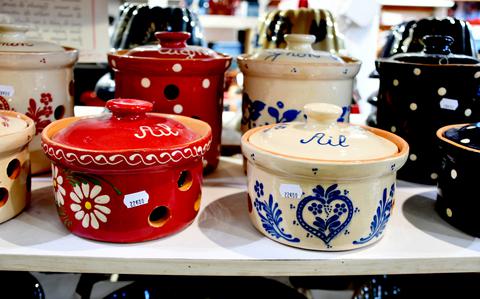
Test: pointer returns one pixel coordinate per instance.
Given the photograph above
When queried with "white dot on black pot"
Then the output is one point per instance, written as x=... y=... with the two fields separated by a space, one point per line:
x=159 y=216
x=178 y=109
x=434 y=176
x=393 y=129
x=468 y=112
x=171 y=92
x=417 y=71
x=14 y=169
x=413 y=106
x=413 y=157
x=442 y=91
x=465 y=140
x=471 y=127
x=453 y=174
x=145 y=82
x=184 y=181
x=3 y=196
x=476 y=75
x=395 y=82
x=449 y=212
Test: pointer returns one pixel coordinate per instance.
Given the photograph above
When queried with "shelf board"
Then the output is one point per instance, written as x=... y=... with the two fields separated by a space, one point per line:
x=221 y=241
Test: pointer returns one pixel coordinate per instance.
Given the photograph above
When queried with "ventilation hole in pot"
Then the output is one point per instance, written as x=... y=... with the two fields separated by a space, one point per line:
x=59 y=112
x=195 y=117
x=196 y=205
x=249 y=202
x=171 y=92
x=159 y=216
x=184 y=181
x=13 y=169
x=3 y=196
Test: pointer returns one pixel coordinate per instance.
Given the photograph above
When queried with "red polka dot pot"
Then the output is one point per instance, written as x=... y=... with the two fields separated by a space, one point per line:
x=127 y=176
x=35 y=79
x=16 y=132
x=176 y=78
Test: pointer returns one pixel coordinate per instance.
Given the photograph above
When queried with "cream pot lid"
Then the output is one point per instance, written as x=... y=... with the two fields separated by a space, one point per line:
x=322 y=138
x=13 y=38
x=16 y=130
x=10 y=124
x=299 y=59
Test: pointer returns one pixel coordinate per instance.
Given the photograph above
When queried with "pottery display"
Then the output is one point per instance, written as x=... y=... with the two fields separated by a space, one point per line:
x=318 y=22
x=16 y=131
x=320 y=184
x=176 y=78
x=421 y=92
x=457 y=200
x=128 y=176
x=36 y=79
x=279 y=82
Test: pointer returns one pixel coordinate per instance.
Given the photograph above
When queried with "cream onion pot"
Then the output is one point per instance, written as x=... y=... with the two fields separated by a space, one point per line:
x=320 y=184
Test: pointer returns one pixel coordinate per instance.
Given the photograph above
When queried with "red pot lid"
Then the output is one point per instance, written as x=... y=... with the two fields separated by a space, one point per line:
x=129 y=127
x=173 y=45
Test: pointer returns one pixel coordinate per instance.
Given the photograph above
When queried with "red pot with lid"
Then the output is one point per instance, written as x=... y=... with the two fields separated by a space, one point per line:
x=175 y=78
x=127 y=176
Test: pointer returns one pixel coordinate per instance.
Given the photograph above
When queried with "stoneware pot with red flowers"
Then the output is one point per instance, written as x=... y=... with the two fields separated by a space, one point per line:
x=36 y=79
x=320 y=184
x=129 y=175
x=16 y=131
x=176 y=78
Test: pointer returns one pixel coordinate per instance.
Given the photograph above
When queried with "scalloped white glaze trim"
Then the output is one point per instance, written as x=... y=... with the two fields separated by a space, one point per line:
x=132 y=160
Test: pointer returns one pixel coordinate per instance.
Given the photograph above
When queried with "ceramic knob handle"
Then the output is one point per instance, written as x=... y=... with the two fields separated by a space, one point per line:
x=129 y=107
x=322 y=113
x=300 y=42
x=172 y=39
x=437 y=44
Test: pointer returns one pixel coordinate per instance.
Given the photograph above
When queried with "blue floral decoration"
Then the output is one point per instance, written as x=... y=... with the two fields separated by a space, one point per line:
x=258 y=188
x=286 y=116
x=271 y=216
x=251 y=110
x=380 y=218
x=328 y=212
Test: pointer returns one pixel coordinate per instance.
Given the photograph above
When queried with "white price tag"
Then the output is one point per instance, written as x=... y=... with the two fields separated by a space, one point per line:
x=291 y=191
x=449 y=104
x=136 y=199
x=6 y=91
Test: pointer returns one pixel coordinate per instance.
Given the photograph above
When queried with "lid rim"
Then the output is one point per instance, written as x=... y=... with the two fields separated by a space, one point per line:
x=440 y=135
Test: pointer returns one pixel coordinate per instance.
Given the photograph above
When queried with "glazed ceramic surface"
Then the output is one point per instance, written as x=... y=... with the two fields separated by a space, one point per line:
x=457 y=200
x=36 y=79
x=421 y=92
x=176 y=78
x=279 y=82
x=320 y=184
x=16 y=131
x=318 y=22
x=127 y=176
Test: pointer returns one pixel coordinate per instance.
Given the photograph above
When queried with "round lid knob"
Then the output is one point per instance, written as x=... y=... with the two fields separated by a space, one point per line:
x=172 y=39
x=130 y=108
x=300 y=42
x=322 y=113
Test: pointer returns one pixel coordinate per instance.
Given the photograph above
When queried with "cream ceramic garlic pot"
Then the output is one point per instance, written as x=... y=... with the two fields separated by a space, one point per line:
x=16 y=131
x=279 y=82
x=320 y=184
x=36 y=79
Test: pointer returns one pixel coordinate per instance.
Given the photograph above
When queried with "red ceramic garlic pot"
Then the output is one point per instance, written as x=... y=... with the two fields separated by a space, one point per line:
x=127 y=176
x=176 y=78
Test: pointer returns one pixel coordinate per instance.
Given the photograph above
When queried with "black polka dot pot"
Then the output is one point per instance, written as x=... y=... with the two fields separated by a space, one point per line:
x=422 y=92
x=457 y=199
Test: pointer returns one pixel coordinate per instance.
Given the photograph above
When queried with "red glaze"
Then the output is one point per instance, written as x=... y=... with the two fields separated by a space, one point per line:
x=177 y=79
x=102 y=193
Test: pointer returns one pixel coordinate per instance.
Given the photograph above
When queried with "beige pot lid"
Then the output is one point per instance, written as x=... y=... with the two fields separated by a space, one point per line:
x=322 y=138
x=13 y=38
x=10 y=124
x=299 y=50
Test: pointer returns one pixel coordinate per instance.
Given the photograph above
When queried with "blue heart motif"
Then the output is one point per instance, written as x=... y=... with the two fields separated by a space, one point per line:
x=325 y=213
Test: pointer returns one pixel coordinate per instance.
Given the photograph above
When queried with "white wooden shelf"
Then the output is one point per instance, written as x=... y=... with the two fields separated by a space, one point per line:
x=221 y=241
